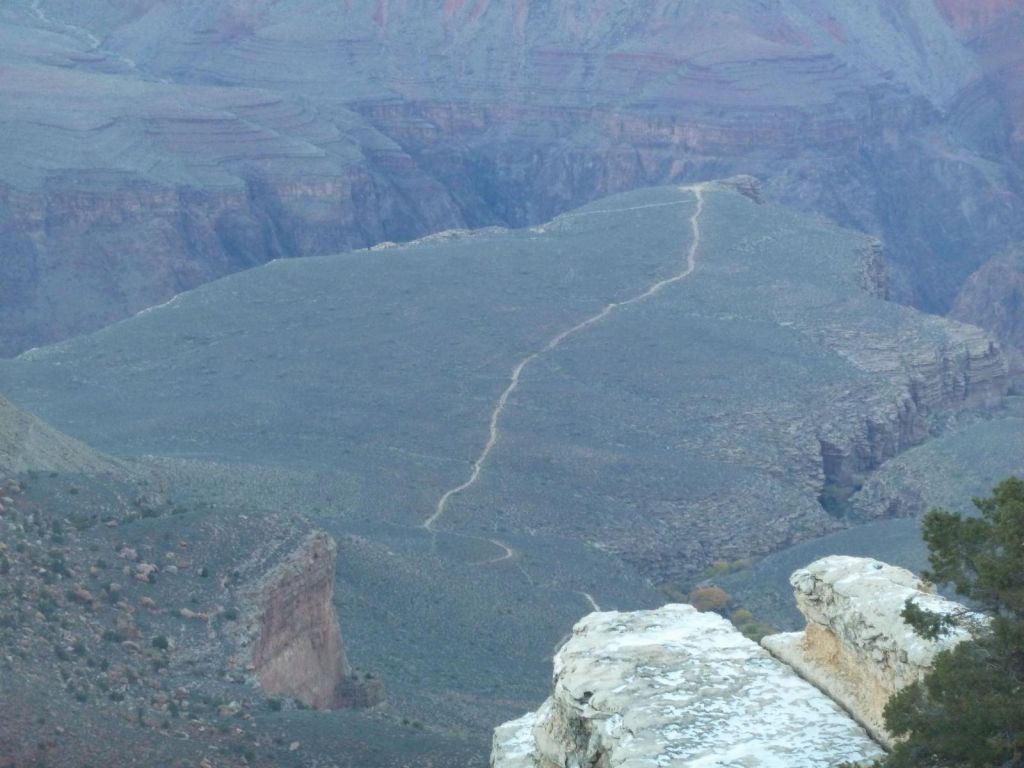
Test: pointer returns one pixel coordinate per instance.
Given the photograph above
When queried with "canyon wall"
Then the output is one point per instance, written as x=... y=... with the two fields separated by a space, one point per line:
x=993 y=298
x=856 y=647
x=193 y=140
x=78 y=260
x=941 y=368
x=137 y=189
x=993 y=30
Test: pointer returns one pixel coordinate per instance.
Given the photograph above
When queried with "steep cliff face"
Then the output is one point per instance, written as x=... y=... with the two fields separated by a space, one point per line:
x=676 y=687
x=289 y=128
x=856 y=647
x=135 y=189
x=78 y=260
x=993 y=298
x=994 y=30
x=963 y=368
x=297 y=649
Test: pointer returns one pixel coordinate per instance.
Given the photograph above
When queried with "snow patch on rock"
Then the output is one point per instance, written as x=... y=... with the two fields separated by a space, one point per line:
x=674 y=687
x=856 y=647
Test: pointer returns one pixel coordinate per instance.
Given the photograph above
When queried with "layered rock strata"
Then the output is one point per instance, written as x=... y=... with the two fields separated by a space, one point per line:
x=856 y=647
x=674 y=687
x=993 y=297
x=161 y=146
x=939 y=367
x=298 y=650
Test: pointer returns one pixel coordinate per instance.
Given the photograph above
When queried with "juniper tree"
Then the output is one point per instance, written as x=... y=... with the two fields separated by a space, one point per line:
x=969 y=710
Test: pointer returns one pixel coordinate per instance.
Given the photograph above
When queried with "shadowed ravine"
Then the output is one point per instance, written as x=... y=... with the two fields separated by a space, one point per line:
x=517 y=372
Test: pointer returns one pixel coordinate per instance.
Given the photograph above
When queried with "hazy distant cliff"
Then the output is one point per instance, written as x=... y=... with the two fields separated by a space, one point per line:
x=193 y=141
x=993 y=297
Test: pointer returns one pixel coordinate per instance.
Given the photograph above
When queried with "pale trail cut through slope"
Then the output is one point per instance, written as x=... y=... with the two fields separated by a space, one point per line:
x=590 y=599
x=48 y=22
x=517 y=372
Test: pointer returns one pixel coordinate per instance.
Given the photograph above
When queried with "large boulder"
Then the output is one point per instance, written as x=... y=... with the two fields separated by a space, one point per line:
x=857 y=648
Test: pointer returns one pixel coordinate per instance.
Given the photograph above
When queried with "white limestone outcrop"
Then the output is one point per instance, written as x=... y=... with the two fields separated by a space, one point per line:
x=674 y=687
x=856 y=647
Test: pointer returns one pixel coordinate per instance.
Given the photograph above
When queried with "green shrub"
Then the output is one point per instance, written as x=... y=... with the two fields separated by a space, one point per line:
x=710 y=598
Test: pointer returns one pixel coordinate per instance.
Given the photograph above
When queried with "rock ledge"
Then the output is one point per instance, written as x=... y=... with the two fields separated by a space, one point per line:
x=674 y=687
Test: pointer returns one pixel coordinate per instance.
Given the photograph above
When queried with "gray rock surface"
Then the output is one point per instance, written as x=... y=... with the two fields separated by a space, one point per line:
x=856 y=647
x=993 y=298
x=674 y=687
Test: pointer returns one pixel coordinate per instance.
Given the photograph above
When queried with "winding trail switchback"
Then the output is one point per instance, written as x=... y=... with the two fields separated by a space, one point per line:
x=507 y=554
x=517 y=372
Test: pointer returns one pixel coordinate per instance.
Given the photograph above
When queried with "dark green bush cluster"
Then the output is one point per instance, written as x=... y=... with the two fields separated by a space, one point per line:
x=969 y=710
